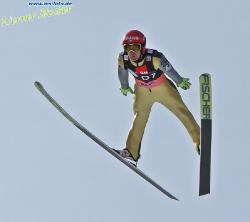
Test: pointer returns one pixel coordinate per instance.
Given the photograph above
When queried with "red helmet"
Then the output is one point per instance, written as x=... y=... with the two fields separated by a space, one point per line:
x=135 y=36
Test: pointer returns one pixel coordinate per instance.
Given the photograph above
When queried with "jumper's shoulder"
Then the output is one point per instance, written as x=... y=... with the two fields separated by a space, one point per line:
x=156 y=57
x=161 y=62
x=154 y=53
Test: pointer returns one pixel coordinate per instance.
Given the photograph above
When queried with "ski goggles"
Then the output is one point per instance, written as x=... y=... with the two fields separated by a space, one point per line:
x=134 y=47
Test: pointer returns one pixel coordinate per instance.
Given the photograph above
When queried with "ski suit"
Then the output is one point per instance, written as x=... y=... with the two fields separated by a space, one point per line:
x=152 y=85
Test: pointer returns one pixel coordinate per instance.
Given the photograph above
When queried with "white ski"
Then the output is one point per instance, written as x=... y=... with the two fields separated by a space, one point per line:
x=101 y=143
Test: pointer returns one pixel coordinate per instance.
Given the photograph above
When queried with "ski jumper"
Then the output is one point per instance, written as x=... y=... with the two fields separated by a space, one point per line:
x=152 y=85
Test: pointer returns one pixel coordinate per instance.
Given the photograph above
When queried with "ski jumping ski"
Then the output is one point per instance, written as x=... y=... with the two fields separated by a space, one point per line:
x=206 y=133
x=100 y=142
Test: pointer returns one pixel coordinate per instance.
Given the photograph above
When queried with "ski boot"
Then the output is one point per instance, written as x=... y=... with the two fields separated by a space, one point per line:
x=127 y=155
x=198 y=148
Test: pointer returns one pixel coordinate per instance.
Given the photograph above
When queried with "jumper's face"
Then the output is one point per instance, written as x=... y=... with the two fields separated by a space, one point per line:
x=133 y=50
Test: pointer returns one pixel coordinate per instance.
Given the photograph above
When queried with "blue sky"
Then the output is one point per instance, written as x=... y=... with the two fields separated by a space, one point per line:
x=50 y=171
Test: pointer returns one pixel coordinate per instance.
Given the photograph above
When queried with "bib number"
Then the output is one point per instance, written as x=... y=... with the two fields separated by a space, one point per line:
x=148 y=77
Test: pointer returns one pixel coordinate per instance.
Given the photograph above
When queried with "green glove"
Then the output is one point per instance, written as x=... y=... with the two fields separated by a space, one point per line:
x=185 y=84
x=126 y=91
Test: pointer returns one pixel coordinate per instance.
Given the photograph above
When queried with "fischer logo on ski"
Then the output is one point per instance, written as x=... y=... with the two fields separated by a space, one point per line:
x=206 y=103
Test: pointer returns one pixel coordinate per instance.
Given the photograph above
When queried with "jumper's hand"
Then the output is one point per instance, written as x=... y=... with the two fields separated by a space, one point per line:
x=185 y=84
x=126 y=91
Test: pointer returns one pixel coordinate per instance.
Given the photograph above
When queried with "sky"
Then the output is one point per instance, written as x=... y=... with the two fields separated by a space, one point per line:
x=50 y=171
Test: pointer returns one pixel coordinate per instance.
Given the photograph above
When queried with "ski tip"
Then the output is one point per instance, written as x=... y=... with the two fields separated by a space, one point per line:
x=38 y=85
x=205 y=74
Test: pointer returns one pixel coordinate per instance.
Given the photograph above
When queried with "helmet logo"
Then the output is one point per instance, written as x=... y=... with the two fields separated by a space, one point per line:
x=132 y=38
